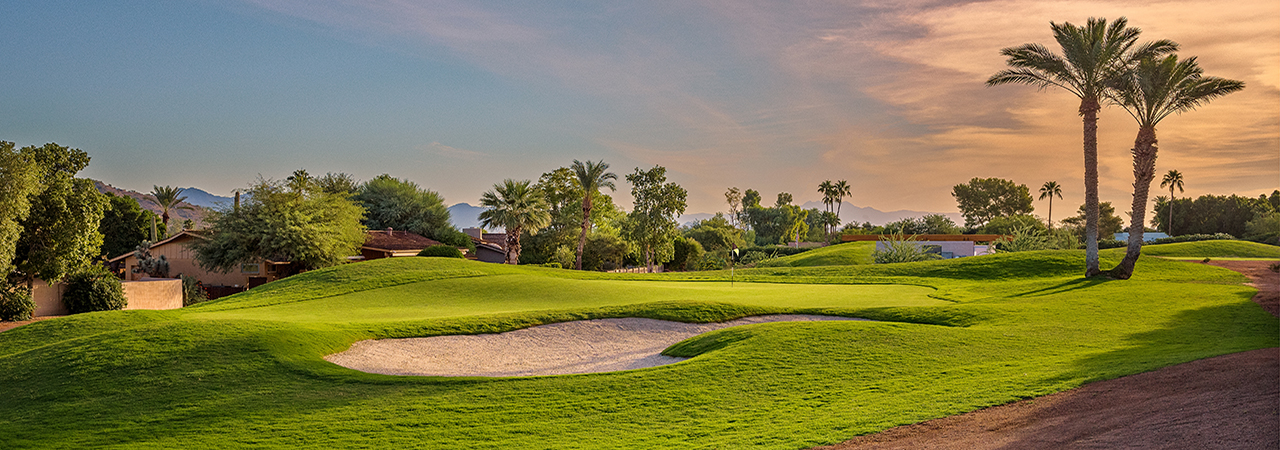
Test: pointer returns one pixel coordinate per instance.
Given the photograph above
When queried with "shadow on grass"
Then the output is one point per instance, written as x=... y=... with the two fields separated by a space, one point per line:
x=1068 y=286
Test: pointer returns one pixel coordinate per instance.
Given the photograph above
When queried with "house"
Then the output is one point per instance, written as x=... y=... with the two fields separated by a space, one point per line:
x=490 y=247
x=391 y=243
x=177 y=251
x=1147 y=237
x=945 y=245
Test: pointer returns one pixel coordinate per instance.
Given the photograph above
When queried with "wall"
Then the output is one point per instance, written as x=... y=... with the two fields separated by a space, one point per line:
x=153 y=293
x=48 y=299
x=957 y=248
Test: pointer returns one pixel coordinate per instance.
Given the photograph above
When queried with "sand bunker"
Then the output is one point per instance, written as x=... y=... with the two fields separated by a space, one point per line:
x=586 y=346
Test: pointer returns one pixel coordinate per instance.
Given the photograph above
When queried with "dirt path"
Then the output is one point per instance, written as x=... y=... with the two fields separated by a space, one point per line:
x=1227 y=402
x=6 y=326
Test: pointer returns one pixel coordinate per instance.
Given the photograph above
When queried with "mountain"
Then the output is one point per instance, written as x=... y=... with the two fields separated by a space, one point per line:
x=851 y=213
x=466 y=216
x=199 y=197
x=176 y=215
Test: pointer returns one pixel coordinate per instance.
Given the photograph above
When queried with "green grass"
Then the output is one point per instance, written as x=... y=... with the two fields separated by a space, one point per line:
x=1213 y=249
x=846 y=254
x=953 y=336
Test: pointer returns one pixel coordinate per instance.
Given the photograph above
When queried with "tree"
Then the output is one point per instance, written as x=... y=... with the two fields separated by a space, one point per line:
x=516 y=207
x=751 y=198
x=1171 y=180
x=828 y=191
x=402 y=205
x=842 y=190
x=591 y=177
x=18 y=182
x=1049 y=190
x=300 y=181
x=60 y=232
x=169 y=199
x=1209 y=214
x=1108 y=222
x=124 y=225
x=715 y=234
x=796 y=222
x=1154 y=89
x=652 y=223
x=783 y=199
x=338 y=183
x=983 y=199
x=309 y=228
x=1093 y=58
x=734 y=197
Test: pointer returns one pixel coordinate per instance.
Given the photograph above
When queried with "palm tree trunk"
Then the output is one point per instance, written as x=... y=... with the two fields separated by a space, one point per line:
x=1144 y=170
x=1089 y=110
x=1050 y=211
x=586 y=225
x=513 y=246
x=1168 y=228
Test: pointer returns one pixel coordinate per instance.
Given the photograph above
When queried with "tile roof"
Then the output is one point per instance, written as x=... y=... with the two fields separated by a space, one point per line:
x=396 y=240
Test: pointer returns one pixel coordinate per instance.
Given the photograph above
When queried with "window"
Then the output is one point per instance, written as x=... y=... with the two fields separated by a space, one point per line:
x=250 y=268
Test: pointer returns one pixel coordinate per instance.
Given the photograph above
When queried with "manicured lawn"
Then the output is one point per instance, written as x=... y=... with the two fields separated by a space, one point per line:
x=1214 y=249
x=953 y=336
x=849 y=253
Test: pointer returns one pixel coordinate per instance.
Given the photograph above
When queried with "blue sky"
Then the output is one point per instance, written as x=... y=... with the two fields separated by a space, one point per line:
x=457 y=95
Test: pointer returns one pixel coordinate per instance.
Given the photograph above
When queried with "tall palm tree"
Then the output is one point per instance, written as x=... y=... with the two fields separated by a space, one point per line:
x=1155 y=89
x=591 y=176
x=1049 y=190
x=168 y=198
x=1093 y=57
x=828 y=191
x=1171 y=180
x=842 y=190
x=516 y=206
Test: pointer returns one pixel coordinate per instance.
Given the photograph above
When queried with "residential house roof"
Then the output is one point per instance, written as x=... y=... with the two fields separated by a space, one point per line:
x=396 y=240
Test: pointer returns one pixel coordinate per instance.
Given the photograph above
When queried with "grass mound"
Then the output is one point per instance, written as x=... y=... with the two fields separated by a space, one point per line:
x=248 y=370
x=1212 y=249
x=846 y=254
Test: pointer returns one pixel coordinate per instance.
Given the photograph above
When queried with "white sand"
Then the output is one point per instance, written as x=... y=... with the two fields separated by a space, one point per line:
x=586 y=346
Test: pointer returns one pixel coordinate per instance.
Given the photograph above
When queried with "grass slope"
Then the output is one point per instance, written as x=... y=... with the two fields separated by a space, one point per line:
x=846 y=254
x=1215 y=249
x=955 y=336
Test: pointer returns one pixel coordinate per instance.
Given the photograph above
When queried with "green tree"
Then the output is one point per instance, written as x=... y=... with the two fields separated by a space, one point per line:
x=124 y=225
x=734 y=198
x=842 y=190
x=652 y=223
x=1093 y=58
x=18 y=182
x=591 y=177
x=60 y=234
x=338 y=183
x=828 y=191
x=751 y=198
x=564 y=196
x=715 y=234
x=310 y=228
x=1108 y=222
x=685 y=252
x=517 y=207
x=1171 y=180
x=783 y=199
x=402 y=205
x=796 y=222
x=168 y=198
x=1049 y=190
x=983 y=199
x=1209 y=214
x=1155 y=89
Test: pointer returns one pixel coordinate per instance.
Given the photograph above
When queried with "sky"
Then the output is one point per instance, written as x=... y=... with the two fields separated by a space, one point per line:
x=768 y=95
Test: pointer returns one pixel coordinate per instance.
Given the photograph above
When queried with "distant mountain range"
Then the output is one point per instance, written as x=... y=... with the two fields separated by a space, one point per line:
x=466 y=216
x=196 y=213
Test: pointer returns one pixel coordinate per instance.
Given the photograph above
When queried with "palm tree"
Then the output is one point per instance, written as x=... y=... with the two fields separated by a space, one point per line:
x=842 y=190
x=1171 y=180
x=516 y=206
x=591 y=176
x=1049 y=190
x=1093 y=57
x=168 y=198
x=828 y=191
x=1155 y=89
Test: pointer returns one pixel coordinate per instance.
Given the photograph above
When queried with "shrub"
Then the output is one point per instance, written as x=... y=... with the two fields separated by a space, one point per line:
x=778 y=251
x=1111 y=243
x=15 y=303
x=155 y=267
x=1063 y=239
x=753 y=257
x=898 y=248
x=565 y=256
x=709 y=261
x=441 y=251
x=1023 y=239
x=95 y=289
x=1264 y=228
x=192 y=291
x=688 y=251
x=1188 y=238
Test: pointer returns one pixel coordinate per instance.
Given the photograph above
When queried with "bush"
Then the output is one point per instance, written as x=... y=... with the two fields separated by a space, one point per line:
x=753 y=257
x=565 y=256
x=553 y=265
x=708 y=261
x=899 y=249
x=192 y=291
x=1111 y=243
x=688 y=251
x=778 y=251
x=441 y=251
x=15 y=303
x=1188 y=238
x=95 y=289
x=1023 y=239
x=1063 y=239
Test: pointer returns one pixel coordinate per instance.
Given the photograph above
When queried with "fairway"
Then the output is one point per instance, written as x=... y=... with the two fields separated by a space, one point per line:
x=946 y=337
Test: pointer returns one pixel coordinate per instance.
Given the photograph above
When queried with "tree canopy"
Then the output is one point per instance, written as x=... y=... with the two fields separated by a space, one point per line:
x=517 y=207
x=310 y=228
x=402 y=205
x=652 y=224
x=982 y=199
x=124 y=225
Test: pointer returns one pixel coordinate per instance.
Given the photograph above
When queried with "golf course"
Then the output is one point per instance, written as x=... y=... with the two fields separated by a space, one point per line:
x=944 y=337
